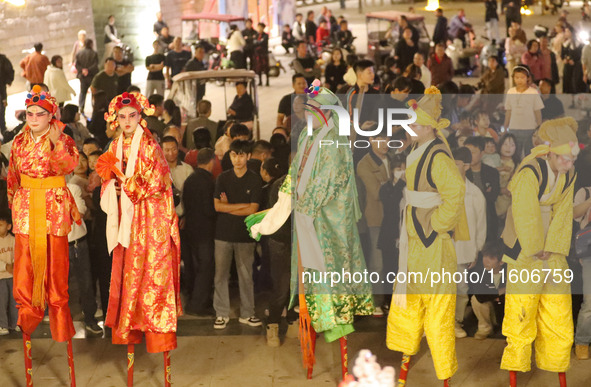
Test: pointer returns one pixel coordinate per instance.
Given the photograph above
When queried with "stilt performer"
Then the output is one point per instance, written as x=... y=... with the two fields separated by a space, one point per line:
x=42 y=210
x=142 y=234
x=537 y=239
x=326 y=238
x=434 y=215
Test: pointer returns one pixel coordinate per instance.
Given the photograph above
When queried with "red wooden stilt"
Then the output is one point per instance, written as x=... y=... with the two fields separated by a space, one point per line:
x=446 y=383
x=167 y=375
x=344 y=356
x=28 y=359
x=311 y=369
x=403 y=370
x=513 y=378
x=71 y=364
x=562 y=378
x=130 y=364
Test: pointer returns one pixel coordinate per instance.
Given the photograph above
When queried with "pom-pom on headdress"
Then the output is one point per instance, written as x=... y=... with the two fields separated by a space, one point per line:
x=133 y=100
x=38 y=97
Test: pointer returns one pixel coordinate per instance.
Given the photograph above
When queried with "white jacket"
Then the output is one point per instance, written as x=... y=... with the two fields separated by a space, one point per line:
x=475 y=204
x=58 y=85
x=236 y=42
x=78 y=230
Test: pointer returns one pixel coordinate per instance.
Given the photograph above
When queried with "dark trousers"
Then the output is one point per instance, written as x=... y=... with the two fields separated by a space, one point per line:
x=81 y=272
x=281 y=275
x=101 y=269
x=3 y=97
x=238 y=58
x=202 y=252
x=84 y=85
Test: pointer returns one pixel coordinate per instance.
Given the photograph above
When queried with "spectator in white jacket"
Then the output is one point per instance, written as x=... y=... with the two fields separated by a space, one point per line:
x=467 y=251
x=419 y=60
x=56 y=81
x=235 y=46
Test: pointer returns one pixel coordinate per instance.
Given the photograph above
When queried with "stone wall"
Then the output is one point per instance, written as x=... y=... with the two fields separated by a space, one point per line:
x=55 y=23
x=172 y=11
x=134 y=20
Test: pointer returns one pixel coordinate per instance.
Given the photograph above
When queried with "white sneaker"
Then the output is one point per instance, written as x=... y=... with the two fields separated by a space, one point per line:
x=221 y=322
x=4 y=331
x=378 y=312
x=252 y=321
x=460 y=332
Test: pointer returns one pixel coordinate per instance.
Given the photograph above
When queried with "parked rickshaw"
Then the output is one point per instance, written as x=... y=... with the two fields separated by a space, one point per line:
x=184 y=90
x=379 y=23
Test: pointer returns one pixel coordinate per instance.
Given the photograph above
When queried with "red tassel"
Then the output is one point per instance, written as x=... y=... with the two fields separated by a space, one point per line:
x=313 y=338
x=404 y=370
x=307 y=337
x=167 y=374
x=562 y=379
x=446 y=383
x=344 y=356
x=28 y=359
x=513 y=378
x=130 y=364
x=71 y=364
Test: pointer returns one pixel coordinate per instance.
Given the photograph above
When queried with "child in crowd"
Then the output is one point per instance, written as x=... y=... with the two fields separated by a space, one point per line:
x=488 y=295
x=490 y=156
x=509 y=161
x=8 y=311
x=481 y=124
x=523 y=106
x=94 y=179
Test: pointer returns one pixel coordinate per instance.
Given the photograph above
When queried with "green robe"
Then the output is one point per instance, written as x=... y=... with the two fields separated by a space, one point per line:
x=331 y=199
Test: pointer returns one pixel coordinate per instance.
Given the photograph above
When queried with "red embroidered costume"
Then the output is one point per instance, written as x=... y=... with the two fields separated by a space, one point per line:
x=143 y=234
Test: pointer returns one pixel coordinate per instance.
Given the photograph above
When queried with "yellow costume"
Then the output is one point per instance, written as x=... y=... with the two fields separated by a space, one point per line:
x=540 y=220
x=435 y=202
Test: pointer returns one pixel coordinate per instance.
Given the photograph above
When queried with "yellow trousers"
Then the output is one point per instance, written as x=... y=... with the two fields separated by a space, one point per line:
x=540 y=312
x=433 y=314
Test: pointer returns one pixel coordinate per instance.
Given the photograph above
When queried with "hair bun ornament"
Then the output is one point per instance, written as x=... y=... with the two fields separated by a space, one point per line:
x=314 y=88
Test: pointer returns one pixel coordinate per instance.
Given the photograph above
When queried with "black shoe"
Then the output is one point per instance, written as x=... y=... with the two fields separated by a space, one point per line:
x=94 y=328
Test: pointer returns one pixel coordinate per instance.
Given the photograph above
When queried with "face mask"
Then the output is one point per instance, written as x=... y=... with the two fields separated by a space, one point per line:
x=398 y=174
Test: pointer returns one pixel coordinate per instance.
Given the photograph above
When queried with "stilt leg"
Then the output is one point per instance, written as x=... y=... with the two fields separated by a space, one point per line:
x=130 y=363
x=28 y=359
x=344 y=356
x=446 y=383
x=562 y=378
x=71 y=364
x=404 y=370
x=167 y=375
x=311 y=369
x=513 y=378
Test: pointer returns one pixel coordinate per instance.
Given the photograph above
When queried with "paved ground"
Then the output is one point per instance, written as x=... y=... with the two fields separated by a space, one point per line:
x=238 y=356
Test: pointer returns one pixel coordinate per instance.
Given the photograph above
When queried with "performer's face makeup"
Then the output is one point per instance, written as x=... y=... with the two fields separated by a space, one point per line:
x=424 y=133
x=561 y=163
x=316 y=119
x=38 y=119
x=128 y=119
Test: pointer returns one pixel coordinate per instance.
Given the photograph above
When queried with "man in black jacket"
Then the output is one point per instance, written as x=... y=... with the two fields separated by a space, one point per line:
x=6 y=78
x=487 y=179
x=200 y=227
x=440 y=32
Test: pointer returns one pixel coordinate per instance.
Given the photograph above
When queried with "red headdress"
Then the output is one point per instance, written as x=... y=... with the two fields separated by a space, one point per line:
x=133 y=100
x=38 y=97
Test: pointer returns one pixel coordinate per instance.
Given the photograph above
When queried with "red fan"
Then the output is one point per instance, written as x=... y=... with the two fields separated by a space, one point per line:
x=106 y=164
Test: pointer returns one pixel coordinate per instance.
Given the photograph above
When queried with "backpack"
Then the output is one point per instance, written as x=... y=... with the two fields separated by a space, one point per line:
x=583 y=237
